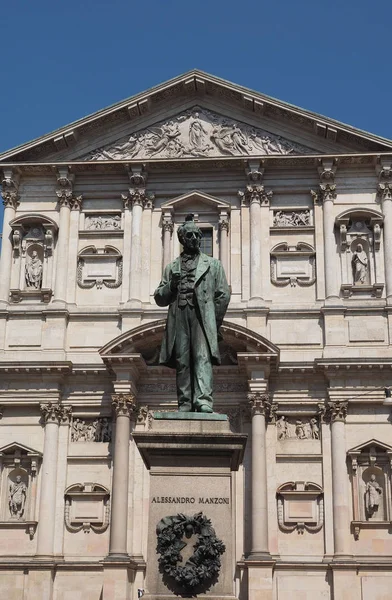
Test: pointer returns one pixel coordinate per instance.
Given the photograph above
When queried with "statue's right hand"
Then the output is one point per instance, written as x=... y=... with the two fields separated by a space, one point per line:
x=174 y=281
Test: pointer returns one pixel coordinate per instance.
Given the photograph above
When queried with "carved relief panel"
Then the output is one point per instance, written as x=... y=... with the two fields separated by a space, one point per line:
x=307 y=428
x=359 y=236
x=294 y=265
x=33 y=239
x=99 y=267
x=371 y=485
x=300 y=506
x=19 y=465
x=91 y=430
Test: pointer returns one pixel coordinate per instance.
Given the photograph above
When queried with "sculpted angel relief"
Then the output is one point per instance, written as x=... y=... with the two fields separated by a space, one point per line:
x=198 y=133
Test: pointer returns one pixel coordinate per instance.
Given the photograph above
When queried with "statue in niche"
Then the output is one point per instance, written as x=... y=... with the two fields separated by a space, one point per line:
x=33 y=272
x=360 y=265
x=282 y=428
x=373 y=495
x=194 y=287
x=17 y=497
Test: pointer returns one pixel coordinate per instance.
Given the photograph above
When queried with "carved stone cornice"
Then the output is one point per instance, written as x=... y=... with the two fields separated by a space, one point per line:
x=255 y=194
x=55 y=413
x=124 y=405
x=260 y=403
x=10 y=189
x=337 y=410
x=138 y=197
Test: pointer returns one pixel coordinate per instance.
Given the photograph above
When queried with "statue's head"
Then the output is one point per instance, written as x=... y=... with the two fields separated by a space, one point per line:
x=359 y=248
x=34 y=254
x=189 y=235
x=18 y=479
x=372 y=477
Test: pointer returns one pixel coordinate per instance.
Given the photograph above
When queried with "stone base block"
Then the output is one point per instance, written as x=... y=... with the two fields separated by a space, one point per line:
x=40 y=584
x=116 y=585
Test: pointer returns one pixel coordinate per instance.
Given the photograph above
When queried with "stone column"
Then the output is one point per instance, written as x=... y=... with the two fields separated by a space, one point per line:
x=124 y=406
x=66 y=201
x=52 y=415
x=385 y=192
x=10 y=186
x=340 y=498
x=224 y=241
x=255 y=196
x=326 y=195
x=260 y=404
x=167 y=228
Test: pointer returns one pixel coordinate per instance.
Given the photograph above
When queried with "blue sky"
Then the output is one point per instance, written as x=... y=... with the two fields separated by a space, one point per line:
x=63 y=60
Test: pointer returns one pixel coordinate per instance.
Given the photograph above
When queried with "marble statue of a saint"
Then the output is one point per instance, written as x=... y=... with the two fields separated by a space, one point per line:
x=372 y=495
x=33 y=271
x=360 y=265
x=194 y=287
x=17 y=497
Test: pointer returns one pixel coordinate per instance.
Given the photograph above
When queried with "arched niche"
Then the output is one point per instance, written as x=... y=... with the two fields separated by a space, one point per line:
x=33 y=240
x=360 y=247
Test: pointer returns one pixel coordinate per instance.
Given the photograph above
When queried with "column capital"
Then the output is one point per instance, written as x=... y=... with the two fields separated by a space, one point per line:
x=224 y=223
x=64 y=192
x=10 y=188
x=167 y=224
x=260 y=403
x=124 y=405
x=138 y=196
x=326 y=191
x=53 y=412
x=337 y=410
x=255 y=194
x=327 y=187
x=384 y=190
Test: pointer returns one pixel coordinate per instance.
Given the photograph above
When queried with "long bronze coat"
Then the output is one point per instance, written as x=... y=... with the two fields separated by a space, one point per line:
x=212 y=295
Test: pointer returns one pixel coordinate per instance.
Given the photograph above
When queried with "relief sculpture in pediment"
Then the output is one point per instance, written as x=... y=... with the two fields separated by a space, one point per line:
x=197 y=133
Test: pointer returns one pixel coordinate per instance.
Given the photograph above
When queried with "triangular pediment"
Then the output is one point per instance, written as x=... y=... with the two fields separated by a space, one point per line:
x=194 y=201
x=370 y=444
x=15 y=447
x=197 y=116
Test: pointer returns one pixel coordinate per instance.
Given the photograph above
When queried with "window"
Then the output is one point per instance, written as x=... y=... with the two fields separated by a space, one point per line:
x=206 y=241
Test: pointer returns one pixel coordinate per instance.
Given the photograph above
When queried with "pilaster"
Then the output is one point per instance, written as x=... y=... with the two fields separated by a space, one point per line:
x=10 y=195
x=384 y=191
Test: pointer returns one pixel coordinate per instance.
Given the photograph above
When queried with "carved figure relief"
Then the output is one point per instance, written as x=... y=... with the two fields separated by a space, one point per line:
x=294 y=265
x=292 y=218
x=196 y=133
x=103 y=222
x=297 y=429
x=17 y=497
x=99 y=267
x=33 y=271
x=91 y=430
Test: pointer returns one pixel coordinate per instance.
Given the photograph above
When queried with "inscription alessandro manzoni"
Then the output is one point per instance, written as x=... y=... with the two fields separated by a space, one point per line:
x=188 y=500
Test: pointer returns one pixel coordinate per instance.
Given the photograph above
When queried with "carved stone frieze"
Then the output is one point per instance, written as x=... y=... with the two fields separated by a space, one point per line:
x=297 y=429
x=292 y=218
x=103 y=222
x=91 y=430
x=55 y=412
x=197 y=133
x=124 y=405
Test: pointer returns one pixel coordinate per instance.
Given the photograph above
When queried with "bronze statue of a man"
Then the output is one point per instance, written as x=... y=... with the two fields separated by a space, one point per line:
x=195 y=288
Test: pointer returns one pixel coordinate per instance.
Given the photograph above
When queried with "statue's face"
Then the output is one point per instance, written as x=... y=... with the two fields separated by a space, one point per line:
x=359 y=248
x=18 y=479
x=373 y=477
x=191 y=237
x=34 y=254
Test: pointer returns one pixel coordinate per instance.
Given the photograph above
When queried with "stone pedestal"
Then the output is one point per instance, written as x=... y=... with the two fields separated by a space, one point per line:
x=191 y=458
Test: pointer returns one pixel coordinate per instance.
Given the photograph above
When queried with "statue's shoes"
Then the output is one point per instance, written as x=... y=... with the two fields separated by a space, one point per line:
x=204 y=408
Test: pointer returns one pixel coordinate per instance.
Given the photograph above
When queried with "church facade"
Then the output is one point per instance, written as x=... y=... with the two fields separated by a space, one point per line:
x=298 y=208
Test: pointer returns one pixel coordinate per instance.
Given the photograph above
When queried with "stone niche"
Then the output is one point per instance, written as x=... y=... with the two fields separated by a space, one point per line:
x=371 y=486
x=33 y=240
x=360 y=247
x=294 y=265
x=87 y=506
x=300 y=507
x=19 y=466
x=99 y=267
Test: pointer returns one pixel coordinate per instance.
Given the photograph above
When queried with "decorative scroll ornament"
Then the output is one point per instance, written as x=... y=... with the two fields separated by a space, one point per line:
x=55 y=413
x=197 y=133
x=79 y=495
x=255 y=193
x=124 y=405
x=310 y=495
x=204 y=564
x=294 y=265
